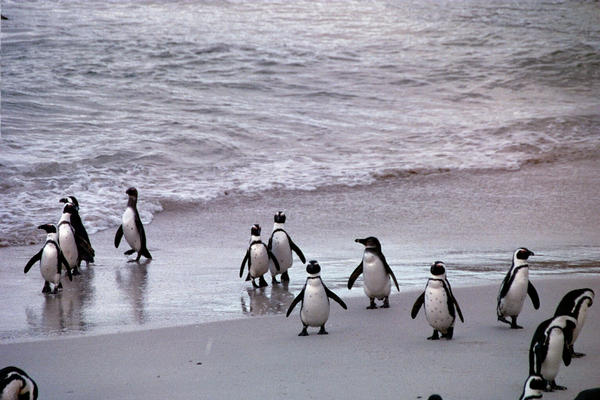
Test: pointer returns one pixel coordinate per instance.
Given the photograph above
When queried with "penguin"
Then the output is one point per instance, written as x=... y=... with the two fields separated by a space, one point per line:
x=376 y=272
x=73 y=246
x=132 y=228
x=550 y=344
x=80 y=229
x=15 y=384
x=435 y=397
x=257 y=256
x=515 y=287
x=576 y=304
x=440 y=304
x=281 y=245
x=589 y=394
x=51 y=260
x=314 y=296
x=534 y=385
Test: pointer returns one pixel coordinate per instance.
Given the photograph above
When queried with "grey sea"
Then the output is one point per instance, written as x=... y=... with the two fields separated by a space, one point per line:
x=454 y=130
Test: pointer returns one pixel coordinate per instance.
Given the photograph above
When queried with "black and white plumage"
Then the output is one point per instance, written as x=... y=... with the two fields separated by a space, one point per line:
x=589 y=394
x=281 y=245
x=51 y=261
x=80 y=231
x=549 y=346
x=74 y=247
x=533 y=388
x=440 y=304
x=15 y=384
x=314 y=310
x=515 y=287
x=576 y=304
x=376 y=273
x=257 y=256
x=132 y=228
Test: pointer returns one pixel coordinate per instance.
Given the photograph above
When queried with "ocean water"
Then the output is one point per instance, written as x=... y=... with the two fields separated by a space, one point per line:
x=193 y=100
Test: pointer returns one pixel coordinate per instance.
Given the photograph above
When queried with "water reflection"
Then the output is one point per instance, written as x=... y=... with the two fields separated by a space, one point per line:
x=132 y=280
x=263 y=301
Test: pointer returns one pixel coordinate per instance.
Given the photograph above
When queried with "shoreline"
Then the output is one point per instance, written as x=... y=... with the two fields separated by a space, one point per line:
x=372 y=349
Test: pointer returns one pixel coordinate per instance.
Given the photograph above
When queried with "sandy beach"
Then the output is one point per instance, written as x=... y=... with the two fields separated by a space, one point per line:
x=379 y=354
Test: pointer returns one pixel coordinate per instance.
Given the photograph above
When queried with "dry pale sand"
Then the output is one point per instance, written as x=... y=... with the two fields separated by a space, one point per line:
x=378 y=354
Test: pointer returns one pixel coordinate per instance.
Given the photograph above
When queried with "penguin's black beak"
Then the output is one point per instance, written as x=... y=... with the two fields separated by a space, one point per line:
x=63 y=200
x=361 y=241
x=531 y=253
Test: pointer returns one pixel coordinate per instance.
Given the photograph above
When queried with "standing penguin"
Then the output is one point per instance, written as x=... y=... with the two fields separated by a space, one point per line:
x=376 y=272
x=80 y=231
x=576 y=304
x=74 y=247
x=281 y=245
x=257 y=256
x=51 y=260
x=132 y=228
x=314 y=296
x=515 y=287
x=15 y=384
x=439 y=303
x=534 y=385
x=549 y=346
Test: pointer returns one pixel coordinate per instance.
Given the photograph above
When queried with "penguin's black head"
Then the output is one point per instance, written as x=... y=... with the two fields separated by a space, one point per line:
x=313 y=267
x=49 y=228
x=370 y=241
x=435 y=397
x=524 y=253
x=132 y=192
x=70 y=209
x=279 y=217
x=537 y=383
x=438 y=268
x=70 y=199
x=255 y=230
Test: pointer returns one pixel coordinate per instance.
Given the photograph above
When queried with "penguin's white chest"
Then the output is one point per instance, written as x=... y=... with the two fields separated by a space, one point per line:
x=49 y=264
x=512 y=303
x=130 y=229
x=66 y=240
x=436 y=306
x=259 y=260
x=377 y=282
x=281 y=249
x=315 y=305
x=551 y=364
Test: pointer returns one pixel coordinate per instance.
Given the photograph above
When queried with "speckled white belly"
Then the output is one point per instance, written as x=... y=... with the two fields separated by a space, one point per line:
x=512 y=303
x=48 y=264
x=66 y=240
x=377 y=282
x=553 y=359
x=130 y=230
x=436 y=307
x=315 y=306
x=259 y=259
x=280 y=247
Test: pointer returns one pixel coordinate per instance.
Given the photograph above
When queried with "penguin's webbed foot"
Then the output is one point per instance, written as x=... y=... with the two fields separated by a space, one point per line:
x=554 y=386
x=449 y=333
x=274 y=280
x=254 y=284
x=372 y=306
x=435 y=336
x=75 y=271
x=304 y=332
x=55 y=291
x=129 y=252
x=577 y=355
x=386 y=303
x=514 y=325
x=285 y=277
x=262 y=282
x=46 y=288
x=322 y=331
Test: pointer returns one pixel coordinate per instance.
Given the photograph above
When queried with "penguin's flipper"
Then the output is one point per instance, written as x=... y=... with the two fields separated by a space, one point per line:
x=296 y=249
x=246 y=258
x=140 y=228
x=452 y=301
x=272 y=257
x=33 y=260
x=129 y=252
x=62 y=260
x=535 y=299
x=295 y=301
x=146 y=253
x=504 y=286
x=118 y=236
x=567 y=354
x=335 y=297
x=417 y=306
x=540 y=351
x=389 y=270
x=460 y=315
x=355 y=274
x=270 y=244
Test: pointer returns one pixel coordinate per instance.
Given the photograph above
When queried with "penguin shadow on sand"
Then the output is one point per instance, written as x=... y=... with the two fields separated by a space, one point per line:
x=264 y=301
x=133 y=284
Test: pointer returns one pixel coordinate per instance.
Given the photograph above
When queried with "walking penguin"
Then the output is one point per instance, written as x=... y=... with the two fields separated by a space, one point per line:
x=132 y=228
x=281 y=245
x=80 y=230
x=257 y=256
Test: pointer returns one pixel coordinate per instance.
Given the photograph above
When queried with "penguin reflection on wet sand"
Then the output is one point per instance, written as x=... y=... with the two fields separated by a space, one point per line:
x=132 y=228
x=515 y=287
x=376 y=273
x=576 y=304
x=314 y=296
x=80 y=230
x=51 y=261
x=439 y=303
x=549 y=346
x=281 y=245
x=257 y=256
x=15 y=384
